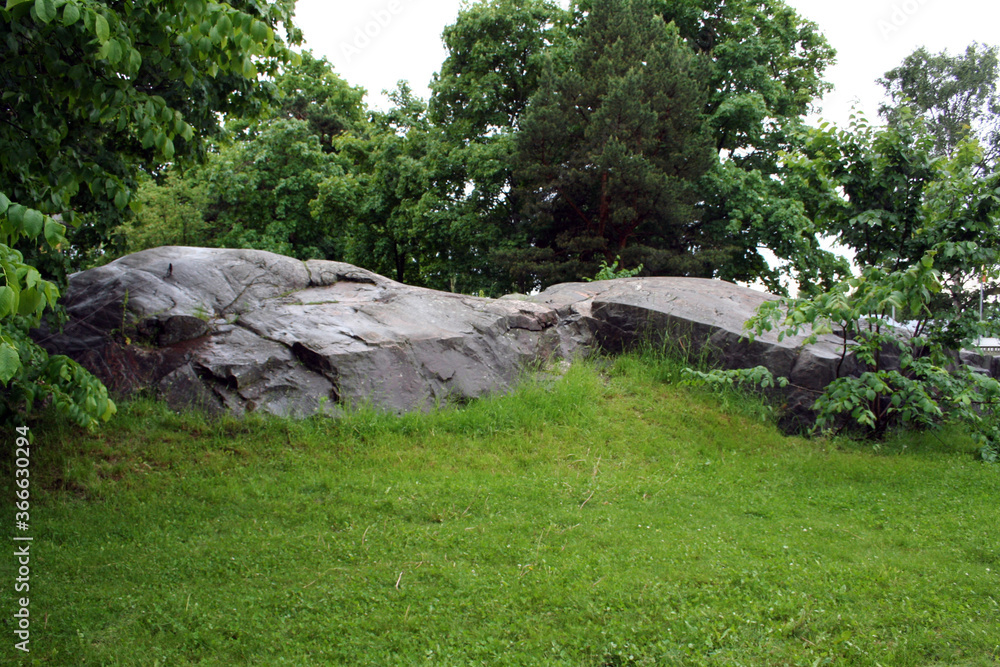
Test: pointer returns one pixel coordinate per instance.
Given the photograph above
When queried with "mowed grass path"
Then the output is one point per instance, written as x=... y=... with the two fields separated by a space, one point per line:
x=609 y=518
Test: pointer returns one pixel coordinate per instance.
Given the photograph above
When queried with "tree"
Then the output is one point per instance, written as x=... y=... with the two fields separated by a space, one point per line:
x=923 y=227
x=765 y=68
x=609 y=148
x=172 y=212
x=94 y=94
x=262 y=189
x=257 y=186
x=745 y=212
x=955 y=95
x=496 y=55
x=905 y=375
x=122 y=92
x=886 y=195
x=311 y=91
x=398 y=202
x=383 y=198
x=322 y=177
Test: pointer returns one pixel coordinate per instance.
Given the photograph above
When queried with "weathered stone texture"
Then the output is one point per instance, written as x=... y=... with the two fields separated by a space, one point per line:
x=250 y=330
x=238 y=330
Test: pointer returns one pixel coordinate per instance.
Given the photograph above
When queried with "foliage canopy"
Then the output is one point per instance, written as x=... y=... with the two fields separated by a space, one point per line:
x=93 y=95
x=609 y=147
x=955 y=94
x=924 y=229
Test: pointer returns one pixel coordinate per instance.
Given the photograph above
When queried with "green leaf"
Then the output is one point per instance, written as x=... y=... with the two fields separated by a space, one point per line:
x=45 y=10
x=15 y=214
x=259 y=31
x=4 y=203
x=71 y=14
x=224 y=25
x=121 y=199
x=8 y=300
x=33 y=223
x=134 y=60
x=102 y=29
x=243 y=21
x=109 y=411
x=14 y=3
x=112 y=50
x=32 y=278
x=30 y=302
x=10 y=362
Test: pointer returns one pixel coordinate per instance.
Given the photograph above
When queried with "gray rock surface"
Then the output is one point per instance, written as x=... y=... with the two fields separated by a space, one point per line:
x=241 y=330
x=699 y=318
x=238 y=330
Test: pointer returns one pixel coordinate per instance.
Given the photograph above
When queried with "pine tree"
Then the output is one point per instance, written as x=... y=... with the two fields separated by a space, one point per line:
x=609 y=147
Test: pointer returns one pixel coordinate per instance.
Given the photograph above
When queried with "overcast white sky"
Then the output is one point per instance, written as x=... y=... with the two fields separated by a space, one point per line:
x=375 y=43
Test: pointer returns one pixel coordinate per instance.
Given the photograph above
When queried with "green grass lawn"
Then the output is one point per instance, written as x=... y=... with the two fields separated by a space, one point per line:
x=609 y=518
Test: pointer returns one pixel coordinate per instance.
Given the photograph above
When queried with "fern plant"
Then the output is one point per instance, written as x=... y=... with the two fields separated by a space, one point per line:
x=611 y=272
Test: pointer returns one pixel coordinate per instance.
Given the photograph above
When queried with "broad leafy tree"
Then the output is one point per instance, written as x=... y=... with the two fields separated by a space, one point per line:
x=322 y=177
x=767 y=70
x=401 y=201
x=310 y=91
x=898 y=376
x=496 y=55
x=924 y=228
x=955 y=94
x=257 y=187
x=884 y=193
x=95 y=93
x=918 y=206
x=386 y=197
x=262 y=188
x=172 y=212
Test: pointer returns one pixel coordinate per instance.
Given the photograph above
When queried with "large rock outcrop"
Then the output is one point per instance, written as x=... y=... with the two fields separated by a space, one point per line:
x=237 y=330
x=250 y=330
x=700 y=319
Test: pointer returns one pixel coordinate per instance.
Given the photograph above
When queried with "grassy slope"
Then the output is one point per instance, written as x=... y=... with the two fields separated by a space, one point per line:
x=608 y=519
